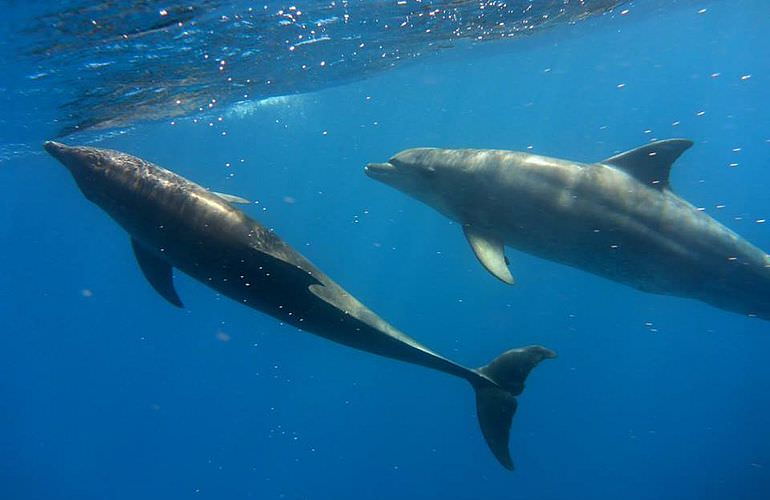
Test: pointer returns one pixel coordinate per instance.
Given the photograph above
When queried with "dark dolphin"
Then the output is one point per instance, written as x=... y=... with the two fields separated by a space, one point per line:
x=616 y=218
x=175 y=223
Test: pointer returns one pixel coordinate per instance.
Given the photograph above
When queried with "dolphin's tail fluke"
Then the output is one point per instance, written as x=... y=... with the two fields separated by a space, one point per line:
x=502 y=380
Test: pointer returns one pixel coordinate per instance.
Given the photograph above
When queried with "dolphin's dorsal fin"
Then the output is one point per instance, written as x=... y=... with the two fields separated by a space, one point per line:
x=231 y=198
x=489 y=251
x=158 y=272
x=651 y=164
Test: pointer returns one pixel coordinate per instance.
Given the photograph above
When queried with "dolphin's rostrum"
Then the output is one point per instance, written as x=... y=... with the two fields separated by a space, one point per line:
x=176 y=223
x=617 y=218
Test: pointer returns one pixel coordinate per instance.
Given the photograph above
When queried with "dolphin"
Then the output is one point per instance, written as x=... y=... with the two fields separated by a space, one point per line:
x=175 y=223
x=617 y=218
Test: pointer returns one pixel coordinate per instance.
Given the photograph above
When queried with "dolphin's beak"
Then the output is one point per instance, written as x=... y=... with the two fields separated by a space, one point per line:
x=549 y=354
x=70 y=157
x=55 y=149
x=376 y=170
x=65 y=154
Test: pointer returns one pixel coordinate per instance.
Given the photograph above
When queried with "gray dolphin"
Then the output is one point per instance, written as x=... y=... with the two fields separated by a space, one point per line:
x=617 y=218
x=175 y=223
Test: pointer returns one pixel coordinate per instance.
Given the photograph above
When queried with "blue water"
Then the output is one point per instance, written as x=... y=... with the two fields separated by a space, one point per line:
x=113 y=63
x=106 y=391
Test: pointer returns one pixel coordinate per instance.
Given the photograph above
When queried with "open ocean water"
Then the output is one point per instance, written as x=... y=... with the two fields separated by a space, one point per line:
x=107 y=392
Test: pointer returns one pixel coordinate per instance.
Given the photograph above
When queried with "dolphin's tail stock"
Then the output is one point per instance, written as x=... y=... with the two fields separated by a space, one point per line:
x=496 y=390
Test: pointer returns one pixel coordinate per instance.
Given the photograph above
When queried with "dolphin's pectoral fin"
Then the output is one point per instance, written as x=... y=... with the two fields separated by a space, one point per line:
x=231 y=198
x=336 y=298
x=331 y=297
x=489 y=251
x=158 y=272
x=651 y=164
x=344 y=303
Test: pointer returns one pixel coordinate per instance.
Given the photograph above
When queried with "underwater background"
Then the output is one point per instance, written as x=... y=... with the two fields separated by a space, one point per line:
x=108 y=392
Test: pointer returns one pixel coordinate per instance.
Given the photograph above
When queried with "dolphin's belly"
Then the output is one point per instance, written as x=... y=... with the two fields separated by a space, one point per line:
x=249 y=264
x=219 y=246
x=277 y=285
x=613 y=253
x=645 y=238
x=227 y=258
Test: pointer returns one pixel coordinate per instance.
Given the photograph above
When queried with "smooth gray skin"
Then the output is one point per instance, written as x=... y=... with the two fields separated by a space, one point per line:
x=176 y=223
x=617 y=218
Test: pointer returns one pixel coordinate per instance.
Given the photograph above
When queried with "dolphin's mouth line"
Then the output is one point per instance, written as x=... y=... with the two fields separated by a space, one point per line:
x=378 y=169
